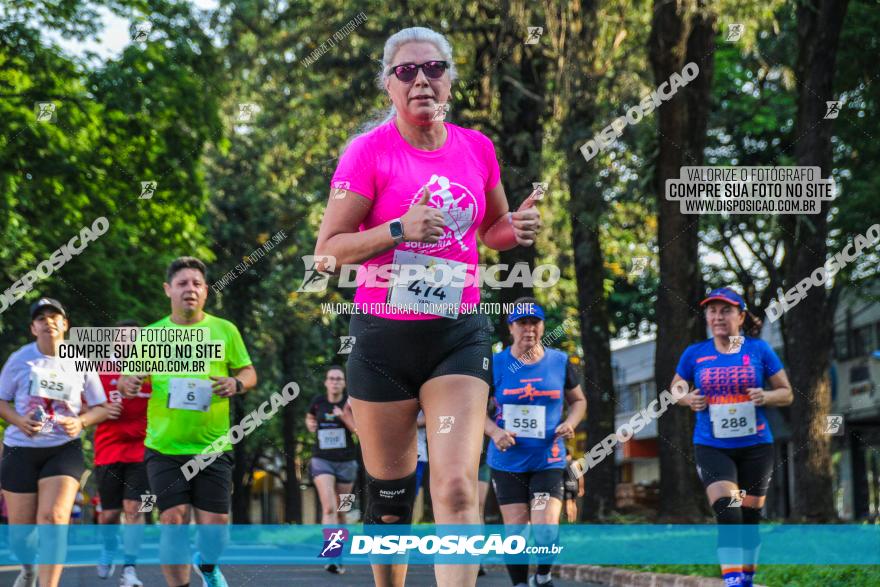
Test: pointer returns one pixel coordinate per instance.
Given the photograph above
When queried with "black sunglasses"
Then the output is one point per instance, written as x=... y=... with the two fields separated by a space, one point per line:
x=407 y=72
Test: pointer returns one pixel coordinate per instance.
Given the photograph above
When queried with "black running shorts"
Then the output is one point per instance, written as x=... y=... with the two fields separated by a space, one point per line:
x=118 y=481
x=522 y=487
x=750 y=467
x=24 y=466
x=210 y=489
x=392 y=359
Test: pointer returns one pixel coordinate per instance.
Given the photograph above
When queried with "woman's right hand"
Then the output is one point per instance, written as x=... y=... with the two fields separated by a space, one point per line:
x=130 y=385
x=114 y=410
x=421 y=223
x=27 y=424
x=696 y=400
x=503 y=439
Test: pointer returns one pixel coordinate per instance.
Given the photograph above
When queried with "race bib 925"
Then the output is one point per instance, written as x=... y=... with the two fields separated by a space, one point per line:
x=53 y=384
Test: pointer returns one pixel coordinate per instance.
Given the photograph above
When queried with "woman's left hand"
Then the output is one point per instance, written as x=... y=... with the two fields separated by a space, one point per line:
x=757 y=395
x=71 y=425
x=565 y=430
x=526 y=223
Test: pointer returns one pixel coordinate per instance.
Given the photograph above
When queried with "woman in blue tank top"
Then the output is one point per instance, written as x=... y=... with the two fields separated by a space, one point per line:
x=532 y=384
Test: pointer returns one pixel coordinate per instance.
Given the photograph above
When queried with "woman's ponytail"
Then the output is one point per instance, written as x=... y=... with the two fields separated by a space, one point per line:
x=752 y=325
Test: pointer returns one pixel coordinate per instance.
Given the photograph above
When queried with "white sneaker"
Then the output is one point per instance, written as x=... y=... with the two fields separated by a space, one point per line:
x=27 y=577
x=105 y=564
x=129 y=578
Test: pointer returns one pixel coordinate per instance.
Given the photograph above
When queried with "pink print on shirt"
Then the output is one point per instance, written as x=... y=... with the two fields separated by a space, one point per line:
x=459 y=208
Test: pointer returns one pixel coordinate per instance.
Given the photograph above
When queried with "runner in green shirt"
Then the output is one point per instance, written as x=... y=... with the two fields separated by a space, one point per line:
x=186 y=414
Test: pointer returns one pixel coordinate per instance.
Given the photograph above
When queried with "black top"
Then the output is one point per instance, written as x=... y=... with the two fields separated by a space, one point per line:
x=334 y=439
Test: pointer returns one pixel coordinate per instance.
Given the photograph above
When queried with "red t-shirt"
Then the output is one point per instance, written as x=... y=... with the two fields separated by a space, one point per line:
x=122 y=440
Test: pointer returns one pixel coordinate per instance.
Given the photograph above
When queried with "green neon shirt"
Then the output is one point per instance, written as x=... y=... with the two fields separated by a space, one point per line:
x=188 y=432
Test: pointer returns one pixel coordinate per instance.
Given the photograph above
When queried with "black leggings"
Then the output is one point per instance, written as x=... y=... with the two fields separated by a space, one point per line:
x=750 y=467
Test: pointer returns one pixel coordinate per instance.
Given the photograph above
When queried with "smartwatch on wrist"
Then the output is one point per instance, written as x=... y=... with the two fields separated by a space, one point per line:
x=396 y=228
x=239 y=386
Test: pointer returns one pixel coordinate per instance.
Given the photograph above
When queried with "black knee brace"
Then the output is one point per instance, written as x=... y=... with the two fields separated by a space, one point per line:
x=729 y=521
x=390 y=498
x=545 y=535
x=725 y=514
x=750 y=536
x=751 y=515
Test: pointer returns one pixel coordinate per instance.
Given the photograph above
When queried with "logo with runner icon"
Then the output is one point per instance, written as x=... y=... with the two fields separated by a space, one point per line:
x=334 y=542
x=736 y=343
x=834 y=424
x=148 y=502
x=346 y=501
x=540 y=501
x=346 y=345
x=446 y=423
x=459 y=208
x=736 y=498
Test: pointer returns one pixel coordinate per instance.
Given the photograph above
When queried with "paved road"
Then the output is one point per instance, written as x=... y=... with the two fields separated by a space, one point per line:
x=274 y=576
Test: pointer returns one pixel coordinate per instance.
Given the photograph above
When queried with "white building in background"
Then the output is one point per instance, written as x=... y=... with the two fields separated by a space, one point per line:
x=855 y=388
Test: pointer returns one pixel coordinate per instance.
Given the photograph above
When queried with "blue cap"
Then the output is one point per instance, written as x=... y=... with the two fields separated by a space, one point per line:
x=525 y=310
x=725 y=294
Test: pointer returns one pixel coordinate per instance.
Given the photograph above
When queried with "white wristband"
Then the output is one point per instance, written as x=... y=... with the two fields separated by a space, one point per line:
x=510 y=217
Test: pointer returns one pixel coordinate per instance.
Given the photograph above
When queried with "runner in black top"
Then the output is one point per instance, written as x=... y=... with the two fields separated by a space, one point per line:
x=334 y=464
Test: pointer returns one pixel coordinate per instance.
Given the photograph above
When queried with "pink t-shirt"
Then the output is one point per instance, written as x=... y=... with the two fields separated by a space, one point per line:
x=381 y=166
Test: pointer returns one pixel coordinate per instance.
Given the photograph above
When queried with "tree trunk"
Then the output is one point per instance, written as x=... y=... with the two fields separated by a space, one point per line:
x=587 y=207
x=682 y=31
x=289 y=424
x=241 y=495
x=521 y=94
x=807 y=327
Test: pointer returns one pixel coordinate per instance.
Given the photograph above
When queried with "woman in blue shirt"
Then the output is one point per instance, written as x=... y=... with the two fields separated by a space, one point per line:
x=732 y=379
x=532 y=384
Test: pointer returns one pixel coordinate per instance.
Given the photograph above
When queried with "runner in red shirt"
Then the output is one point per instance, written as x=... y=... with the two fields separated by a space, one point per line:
x=122 y=475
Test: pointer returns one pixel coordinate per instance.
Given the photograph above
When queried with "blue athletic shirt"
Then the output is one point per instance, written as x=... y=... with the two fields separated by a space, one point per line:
x=541 y=384
x=723 y=379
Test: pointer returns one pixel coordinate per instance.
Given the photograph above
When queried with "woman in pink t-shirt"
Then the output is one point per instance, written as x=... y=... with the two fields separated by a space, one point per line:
x=409 y=198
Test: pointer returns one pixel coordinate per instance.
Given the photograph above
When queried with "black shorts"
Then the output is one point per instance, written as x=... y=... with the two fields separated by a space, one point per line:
x=209 y=490
x=118 y=481
x=750 y=467
x=522 y=487
x=570 y=485
x=24 y=466
x=392 y=359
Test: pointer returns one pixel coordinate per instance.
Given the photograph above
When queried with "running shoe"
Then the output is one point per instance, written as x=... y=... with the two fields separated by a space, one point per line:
x=129 y=578
x=213 y=579
x=335 y=569
x=27 y=577
x=105 y=564
x=533 y=582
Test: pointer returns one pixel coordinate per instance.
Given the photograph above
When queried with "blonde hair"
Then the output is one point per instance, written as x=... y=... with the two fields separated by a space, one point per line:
x=416 y=34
